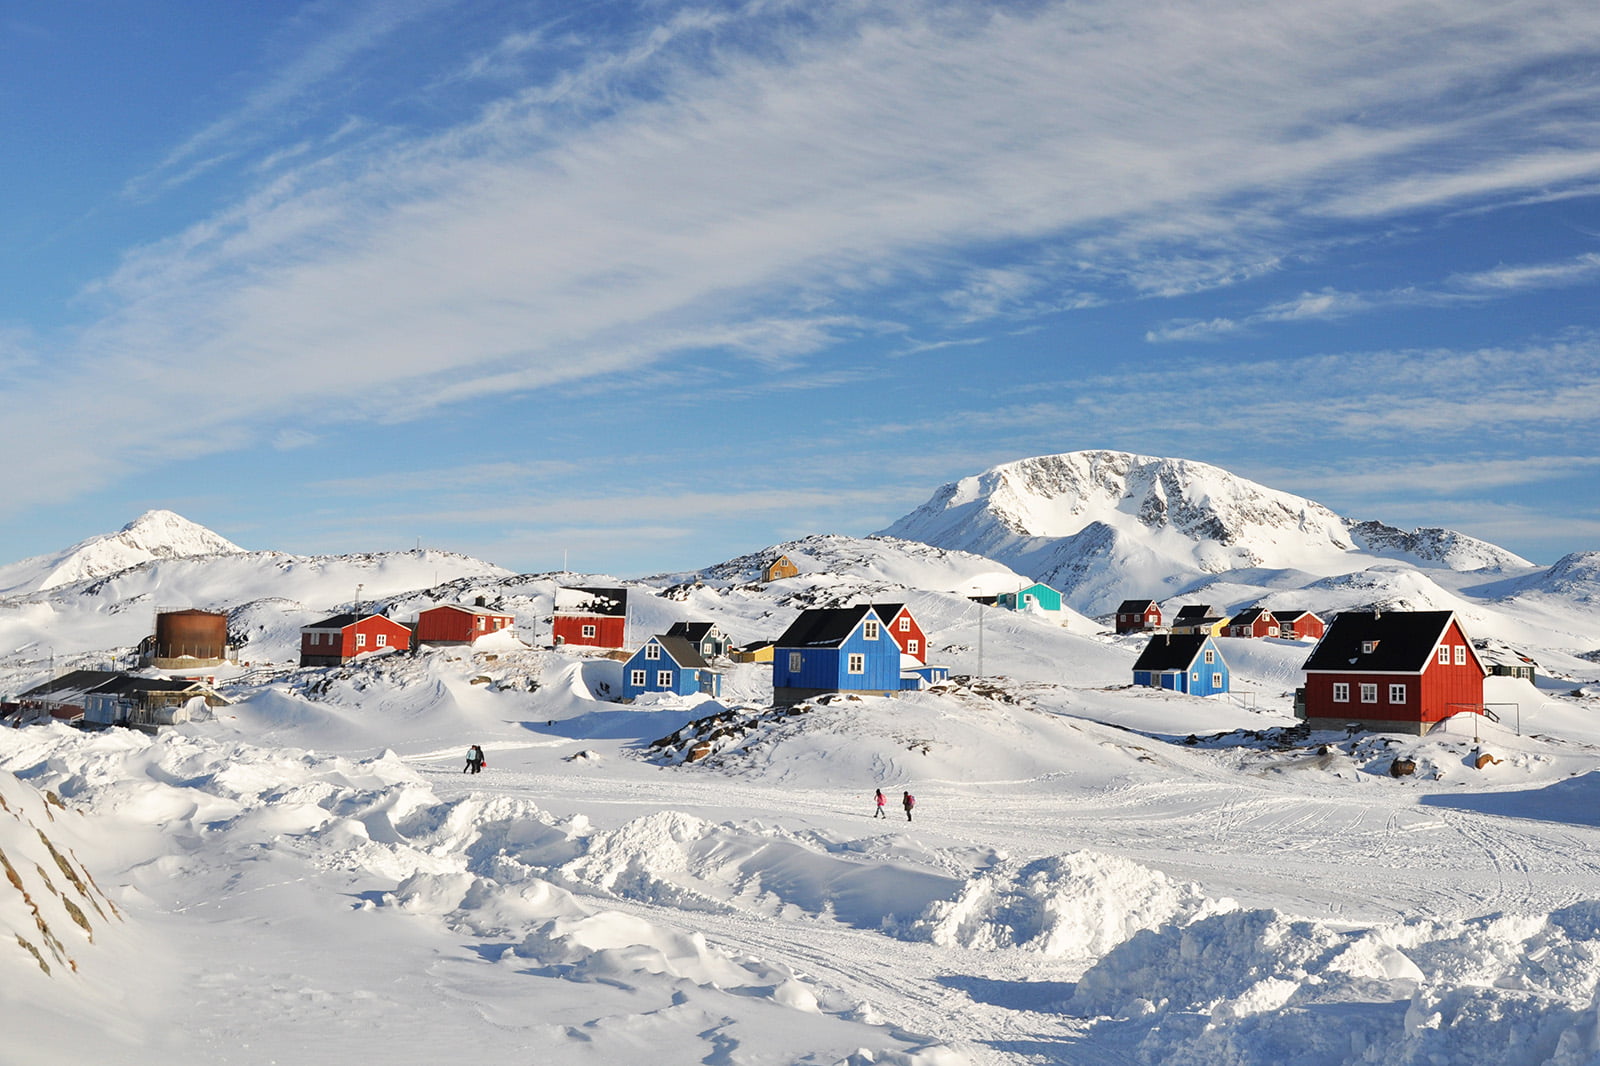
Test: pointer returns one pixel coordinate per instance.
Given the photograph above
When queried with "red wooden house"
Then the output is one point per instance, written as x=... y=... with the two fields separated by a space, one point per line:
x=1393 y=671
x=1252 y=622
x=904 y=629
x=337 y=640
x=591 y=617
x=451 y=623
x=1138 y=616
x=1295 y=624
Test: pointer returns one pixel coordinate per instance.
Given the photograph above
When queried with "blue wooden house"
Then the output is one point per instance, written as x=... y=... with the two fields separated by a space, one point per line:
x=669 y=664
x=835 y=649
x=1035 y=597
x=1183 y=662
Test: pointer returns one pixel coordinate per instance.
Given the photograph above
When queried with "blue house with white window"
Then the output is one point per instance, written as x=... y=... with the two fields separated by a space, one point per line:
x=1182 y=662
x=835 y=649
x=669 y=664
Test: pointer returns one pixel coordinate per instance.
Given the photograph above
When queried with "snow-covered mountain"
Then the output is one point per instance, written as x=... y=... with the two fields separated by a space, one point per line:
x=1106 y=525
x=153 y=535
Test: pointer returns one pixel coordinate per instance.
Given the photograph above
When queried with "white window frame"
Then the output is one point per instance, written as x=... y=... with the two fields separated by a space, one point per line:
x=481 y=621
x=652 y=651
x=1368 y=647
x=590 y=631
x=361 y=640
x=381 y=640
x=913 y=646
x=1397 y=693
x=1444 y=655
x=795 y=662
x=905 y=625
x=856 y=663
x=1216 y=680
x=1461 y=655
x=637 y=679
x=1369 y=692
x=869 y=630
x=1341 y=692
x=664 y=678
x=1211 y=656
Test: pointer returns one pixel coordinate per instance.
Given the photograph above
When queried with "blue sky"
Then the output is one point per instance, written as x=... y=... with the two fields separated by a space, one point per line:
x=653 y=285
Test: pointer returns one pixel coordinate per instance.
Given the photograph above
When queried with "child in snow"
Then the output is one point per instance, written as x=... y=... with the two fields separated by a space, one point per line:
x=880 y=813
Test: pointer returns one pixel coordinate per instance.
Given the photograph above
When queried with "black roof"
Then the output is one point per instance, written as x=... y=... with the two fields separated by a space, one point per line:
x=71 y=682
x=887 y=611
x=338 y=621
x=1289 y=614
x=1171 y=652
x=683 y=653
x=694 y=632
x=610 y=602
x=1249 y=615
x=1196 y=610
x=1404 y=641
x=1135 y=606
x=823 y=627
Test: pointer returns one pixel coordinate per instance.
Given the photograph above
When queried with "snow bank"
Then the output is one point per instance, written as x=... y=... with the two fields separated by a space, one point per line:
x=1078 y=906
x=1259 y=987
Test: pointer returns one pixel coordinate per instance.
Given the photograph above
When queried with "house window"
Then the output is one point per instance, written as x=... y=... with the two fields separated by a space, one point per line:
x=1368 y=647
x=382 y=640
x=1461 y=655
x=857 y=664
x=870 y=631
x=481 y=620
x=905 y=625
x=588 y=631
x=1216 y=680
x=652 y=651
x=1444 y=655
x=664 y=678
x=1369 y=693
x=1272 y=631
x=637 y=679
x=1211 y=656
x=913 y=646
x=1397 y=694
x=361 y=640
x=1341 y=692
x=794 y=662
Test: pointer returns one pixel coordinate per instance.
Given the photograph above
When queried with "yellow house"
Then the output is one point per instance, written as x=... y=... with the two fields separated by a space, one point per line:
x=779 y=569
x=759 y=651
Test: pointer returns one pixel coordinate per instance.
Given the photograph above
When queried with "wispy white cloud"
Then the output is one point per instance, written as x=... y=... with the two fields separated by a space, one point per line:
x=747 y=179
x=1328 y=304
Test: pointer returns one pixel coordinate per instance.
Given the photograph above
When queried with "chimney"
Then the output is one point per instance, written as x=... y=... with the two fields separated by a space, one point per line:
x=481 y=601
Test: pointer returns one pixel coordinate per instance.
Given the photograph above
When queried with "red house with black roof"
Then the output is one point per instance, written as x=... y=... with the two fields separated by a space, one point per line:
x=1295 y=624
x=1392 y=671
x=1252 y=622
x=1138 y=616
x=335 y=641
x=591 y=617
x=904 y=629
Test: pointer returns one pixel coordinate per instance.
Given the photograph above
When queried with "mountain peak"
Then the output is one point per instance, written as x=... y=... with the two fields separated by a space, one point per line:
x=1103 y=525
x=156 y=534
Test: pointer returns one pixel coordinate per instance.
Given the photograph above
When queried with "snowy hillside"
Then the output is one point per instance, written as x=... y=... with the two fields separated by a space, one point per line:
x=1103 y=526
x=153 y=535
x=1094 y=873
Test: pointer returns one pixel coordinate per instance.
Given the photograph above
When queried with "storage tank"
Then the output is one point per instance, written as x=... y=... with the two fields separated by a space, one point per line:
x=190 y=638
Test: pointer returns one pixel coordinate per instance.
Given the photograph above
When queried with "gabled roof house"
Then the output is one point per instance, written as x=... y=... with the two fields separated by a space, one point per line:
x=834 y=649
x=1391 y=671
x=669 y=664
x=1190 y=663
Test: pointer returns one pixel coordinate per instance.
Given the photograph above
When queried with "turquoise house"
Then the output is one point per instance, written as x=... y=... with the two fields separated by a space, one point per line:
x=1035 y=597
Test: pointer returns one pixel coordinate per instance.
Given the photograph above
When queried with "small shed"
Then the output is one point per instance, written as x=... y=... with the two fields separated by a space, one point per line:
x=1035 y=597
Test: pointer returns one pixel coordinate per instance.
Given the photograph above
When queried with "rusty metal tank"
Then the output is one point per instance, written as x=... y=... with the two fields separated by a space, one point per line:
x=190 y=635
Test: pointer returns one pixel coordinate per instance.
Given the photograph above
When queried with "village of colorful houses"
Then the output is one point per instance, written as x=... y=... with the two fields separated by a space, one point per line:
x=1390 y=671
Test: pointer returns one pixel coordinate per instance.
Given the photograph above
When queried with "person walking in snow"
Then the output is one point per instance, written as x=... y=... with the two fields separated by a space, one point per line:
x=908 y=801
x=475 y=760
x=880 y=813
